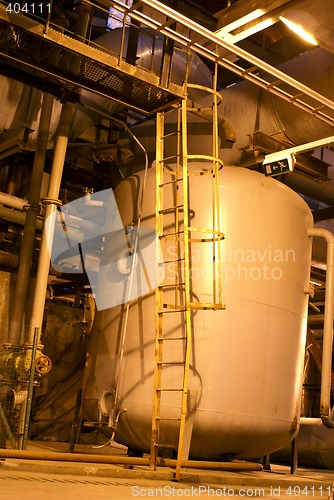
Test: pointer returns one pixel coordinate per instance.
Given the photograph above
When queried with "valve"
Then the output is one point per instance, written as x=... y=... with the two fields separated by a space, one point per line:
x=43 y=364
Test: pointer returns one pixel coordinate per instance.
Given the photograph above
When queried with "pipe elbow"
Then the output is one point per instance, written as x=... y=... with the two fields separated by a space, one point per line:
x=327 y=422
x=228 y=129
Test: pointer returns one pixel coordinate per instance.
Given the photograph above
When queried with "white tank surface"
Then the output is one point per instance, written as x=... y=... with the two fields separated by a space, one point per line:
x=247 y=360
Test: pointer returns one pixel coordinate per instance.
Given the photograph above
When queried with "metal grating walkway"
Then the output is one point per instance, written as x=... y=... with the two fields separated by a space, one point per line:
x=23 y=41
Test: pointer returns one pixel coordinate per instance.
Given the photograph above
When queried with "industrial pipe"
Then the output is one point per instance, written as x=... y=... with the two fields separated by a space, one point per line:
x=318 y=189
x=315 y=320
x=100 y=152
x=27 y=247
x=326 y=372
x=47 y=235
x=124 y=460
x=12 y=215
x=12 y=201
x=8 y=259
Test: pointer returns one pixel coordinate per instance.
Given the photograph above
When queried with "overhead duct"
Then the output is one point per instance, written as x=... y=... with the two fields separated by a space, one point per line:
x=250 y=108
x=318 y=189
x=99 y=153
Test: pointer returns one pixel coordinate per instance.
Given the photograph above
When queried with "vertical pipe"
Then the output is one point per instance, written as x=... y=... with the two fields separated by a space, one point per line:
x=327 y=349
x=81 y=28
x=47 y=234
x=28 y=240
x=5 y=423
x=75 y=427
x=30 y=391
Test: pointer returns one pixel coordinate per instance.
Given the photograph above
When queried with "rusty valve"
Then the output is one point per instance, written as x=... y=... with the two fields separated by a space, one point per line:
x=43 y=364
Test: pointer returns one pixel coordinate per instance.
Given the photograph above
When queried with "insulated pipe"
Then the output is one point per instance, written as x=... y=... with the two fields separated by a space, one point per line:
x=12 y=201
x=100 y=152
x=27 y=247
x=85 y=13
x=47 y=235
x=318 y=189
x=10 y=215
x=8 y=259
x=123 y=460
x=250 y=108
x=315 y=320
x=326 y=372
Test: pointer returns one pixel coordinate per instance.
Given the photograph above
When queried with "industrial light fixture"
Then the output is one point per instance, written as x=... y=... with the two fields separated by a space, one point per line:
x=245 y=26
x=299 y=30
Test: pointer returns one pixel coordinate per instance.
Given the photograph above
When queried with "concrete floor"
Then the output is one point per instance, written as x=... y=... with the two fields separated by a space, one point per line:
x=40 y=479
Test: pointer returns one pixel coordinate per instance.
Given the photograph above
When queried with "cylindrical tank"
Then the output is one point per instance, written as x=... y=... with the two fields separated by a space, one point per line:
x=247 y=360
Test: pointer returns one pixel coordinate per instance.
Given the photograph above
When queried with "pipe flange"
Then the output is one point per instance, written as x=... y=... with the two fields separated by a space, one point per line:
x=37 y=208
x=43 y=364
x=52 y=201
x=106 y=402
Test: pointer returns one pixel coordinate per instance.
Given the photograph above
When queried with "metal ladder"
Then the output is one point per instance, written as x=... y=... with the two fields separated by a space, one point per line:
x=175 y=302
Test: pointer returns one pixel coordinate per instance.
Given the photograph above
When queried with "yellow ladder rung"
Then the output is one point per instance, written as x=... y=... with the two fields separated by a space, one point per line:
x=171 y=157
x=170 y=134
x=164 y=339
x=171 y=311
x=173 y=261
x=163 y=389
x=169 y=209
x=172 y=285
x=173 y=308
x=168 y=419
x=176 y=363
x=171 y=446
x=171 y=182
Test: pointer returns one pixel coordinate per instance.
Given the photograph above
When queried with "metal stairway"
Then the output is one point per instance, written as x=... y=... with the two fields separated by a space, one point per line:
x=175 y=297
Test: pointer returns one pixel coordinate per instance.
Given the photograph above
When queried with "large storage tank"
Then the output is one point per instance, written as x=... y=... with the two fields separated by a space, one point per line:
x=247 y=360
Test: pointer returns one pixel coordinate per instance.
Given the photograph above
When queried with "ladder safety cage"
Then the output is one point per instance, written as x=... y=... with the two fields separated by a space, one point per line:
x=179 y=296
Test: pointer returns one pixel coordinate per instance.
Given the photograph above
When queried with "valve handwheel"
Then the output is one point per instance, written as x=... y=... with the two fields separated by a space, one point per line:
x=43 y=364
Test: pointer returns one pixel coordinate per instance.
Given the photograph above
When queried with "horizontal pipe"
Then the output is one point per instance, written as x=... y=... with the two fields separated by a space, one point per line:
x=12 y=201
x=8 y=259
x=317 y=189
x=124 y=460
x=316 y=320
x=100 y=152
x=310 y=421
x=17 y=217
